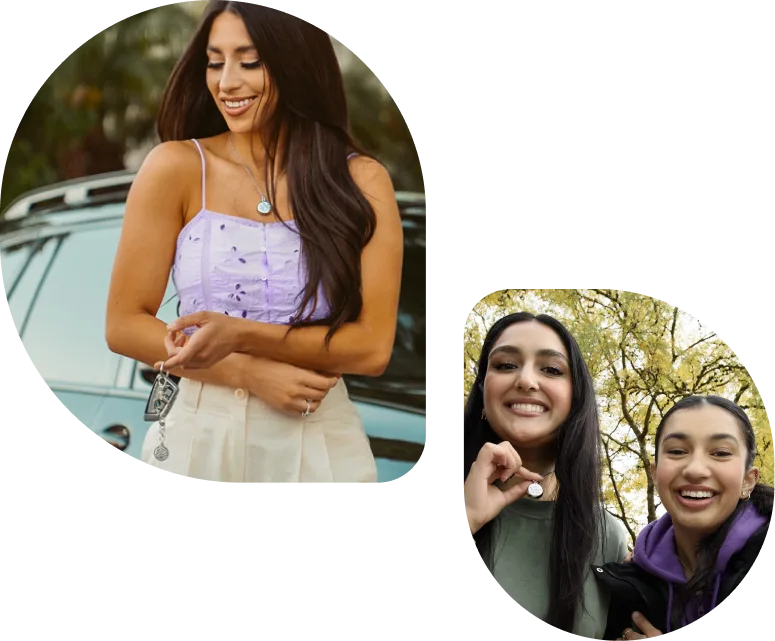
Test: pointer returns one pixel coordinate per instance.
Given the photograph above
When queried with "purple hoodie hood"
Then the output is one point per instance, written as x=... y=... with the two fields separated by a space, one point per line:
x=655 y=552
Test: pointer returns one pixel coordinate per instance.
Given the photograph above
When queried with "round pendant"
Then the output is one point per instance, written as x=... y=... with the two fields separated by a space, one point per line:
x=535 y=490
x=264 y=207
x=161 y=453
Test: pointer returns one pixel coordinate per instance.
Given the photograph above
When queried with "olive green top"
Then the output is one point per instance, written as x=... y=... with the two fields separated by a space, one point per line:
x=521 y=558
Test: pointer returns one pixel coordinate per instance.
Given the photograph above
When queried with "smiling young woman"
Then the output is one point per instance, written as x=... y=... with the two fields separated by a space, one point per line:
x=532 y=470
x=718 y=514
x=285 y=245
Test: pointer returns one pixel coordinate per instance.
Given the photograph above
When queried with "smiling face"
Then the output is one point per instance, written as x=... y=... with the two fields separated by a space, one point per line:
x=236 y=76
x=528 y=387
x=701 y=468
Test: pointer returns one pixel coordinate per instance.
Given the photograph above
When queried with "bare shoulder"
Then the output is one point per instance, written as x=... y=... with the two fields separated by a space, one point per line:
x=372 y=178
x=168 y=177
x=365 y=169
x=175 y=159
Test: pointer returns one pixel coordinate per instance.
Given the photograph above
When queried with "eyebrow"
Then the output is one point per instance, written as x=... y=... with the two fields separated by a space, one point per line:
x=510 y=349
x=242 y=49
x=714 y=437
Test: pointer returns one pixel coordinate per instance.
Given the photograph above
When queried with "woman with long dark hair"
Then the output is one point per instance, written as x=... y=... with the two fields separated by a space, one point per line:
x=285 y=245
x=717 y=516
x=532 y=466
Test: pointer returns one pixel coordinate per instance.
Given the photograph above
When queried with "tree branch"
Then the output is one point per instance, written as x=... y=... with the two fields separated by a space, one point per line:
x=702 y=340
x=740 y=392
x=595 y=301
x=672 y=334
x=622 y=446
x=616 y=493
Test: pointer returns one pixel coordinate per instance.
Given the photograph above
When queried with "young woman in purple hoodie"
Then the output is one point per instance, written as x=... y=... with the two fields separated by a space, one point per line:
x=689 y=560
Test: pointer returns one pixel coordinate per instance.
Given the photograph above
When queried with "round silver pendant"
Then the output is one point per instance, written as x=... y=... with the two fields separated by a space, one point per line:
x=161 y=453
x=535 y=490
x=264 y=207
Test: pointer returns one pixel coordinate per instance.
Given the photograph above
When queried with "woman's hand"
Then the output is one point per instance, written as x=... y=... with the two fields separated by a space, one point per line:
x=285 y=387
x=173 y=343
x=484 y=501
x=216 y=337
x=644 y=624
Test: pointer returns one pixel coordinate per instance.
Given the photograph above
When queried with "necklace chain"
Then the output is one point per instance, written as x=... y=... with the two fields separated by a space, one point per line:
x=686 y=569
x=264 y=207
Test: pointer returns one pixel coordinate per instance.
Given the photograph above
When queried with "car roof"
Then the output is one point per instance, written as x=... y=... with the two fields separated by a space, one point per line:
x=38 y=208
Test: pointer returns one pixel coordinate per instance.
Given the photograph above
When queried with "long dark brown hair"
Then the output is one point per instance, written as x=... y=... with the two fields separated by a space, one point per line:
x=578 y=525
x=310 y=120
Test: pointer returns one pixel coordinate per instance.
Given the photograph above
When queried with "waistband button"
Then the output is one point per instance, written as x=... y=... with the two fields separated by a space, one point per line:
x=240 y=393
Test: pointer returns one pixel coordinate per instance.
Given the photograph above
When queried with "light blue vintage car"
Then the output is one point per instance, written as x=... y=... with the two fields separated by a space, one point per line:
x=56 y=254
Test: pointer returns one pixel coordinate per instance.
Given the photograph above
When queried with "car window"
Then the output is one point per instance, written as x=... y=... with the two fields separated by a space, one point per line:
x=26 y=283
x=12 y=261
x=65 y=333
x=403 y=382
x=408 y=359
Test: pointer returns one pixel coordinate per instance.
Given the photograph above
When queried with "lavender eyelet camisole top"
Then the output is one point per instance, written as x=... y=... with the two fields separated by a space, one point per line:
x=240 y=267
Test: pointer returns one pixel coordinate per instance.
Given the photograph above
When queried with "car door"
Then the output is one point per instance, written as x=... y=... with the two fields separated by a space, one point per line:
x=57 y=300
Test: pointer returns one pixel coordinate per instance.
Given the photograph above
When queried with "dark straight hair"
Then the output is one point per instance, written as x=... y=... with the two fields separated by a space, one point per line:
x=701 y=581
x=578 y=516
x=310 y=121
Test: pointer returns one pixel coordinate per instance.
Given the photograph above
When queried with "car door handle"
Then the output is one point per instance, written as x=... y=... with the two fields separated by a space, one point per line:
x=117 y=435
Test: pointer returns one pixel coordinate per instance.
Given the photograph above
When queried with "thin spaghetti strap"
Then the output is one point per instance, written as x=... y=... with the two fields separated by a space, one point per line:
x=196 y=142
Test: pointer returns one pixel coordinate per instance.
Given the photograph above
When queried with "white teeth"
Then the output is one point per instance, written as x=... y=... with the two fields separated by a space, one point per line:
x=525 y=407
x=697 y=495
x=241 y=103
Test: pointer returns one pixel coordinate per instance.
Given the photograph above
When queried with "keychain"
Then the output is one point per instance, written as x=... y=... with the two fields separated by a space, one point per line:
x=163 y=394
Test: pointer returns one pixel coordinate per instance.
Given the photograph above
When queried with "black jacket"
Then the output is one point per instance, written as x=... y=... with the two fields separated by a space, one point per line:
x=633 y=589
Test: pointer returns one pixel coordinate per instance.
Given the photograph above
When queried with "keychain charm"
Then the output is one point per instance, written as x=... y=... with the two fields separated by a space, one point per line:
x=160 y=452
x=160 y=400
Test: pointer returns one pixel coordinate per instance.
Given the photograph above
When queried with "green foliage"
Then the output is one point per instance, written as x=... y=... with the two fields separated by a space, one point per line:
x=100 y=105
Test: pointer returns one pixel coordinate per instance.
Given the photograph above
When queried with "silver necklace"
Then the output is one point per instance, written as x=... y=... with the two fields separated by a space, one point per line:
x=264 y=207
x=535 y=490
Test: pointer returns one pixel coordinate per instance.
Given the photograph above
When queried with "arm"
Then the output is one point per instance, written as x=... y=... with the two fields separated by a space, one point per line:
x=360 y=347
x=155 y=213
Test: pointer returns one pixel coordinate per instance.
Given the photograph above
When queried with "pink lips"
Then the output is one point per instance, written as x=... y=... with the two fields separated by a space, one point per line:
x=237 y=111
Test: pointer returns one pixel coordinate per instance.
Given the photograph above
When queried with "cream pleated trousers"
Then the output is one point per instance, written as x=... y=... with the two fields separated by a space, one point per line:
x=220 y=433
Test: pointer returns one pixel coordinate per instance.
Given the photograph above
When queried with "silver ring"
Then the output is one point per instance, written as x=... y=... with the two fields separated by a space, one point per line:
x=306 y=413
